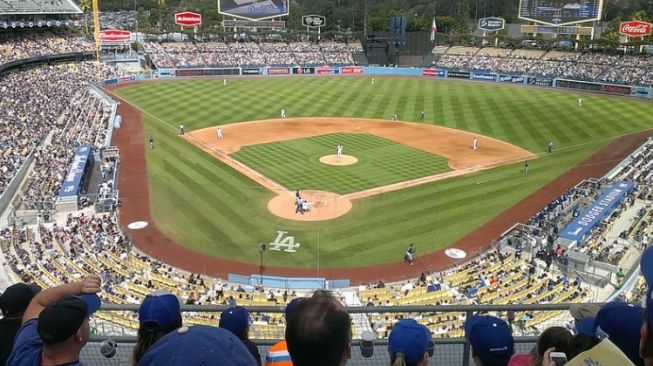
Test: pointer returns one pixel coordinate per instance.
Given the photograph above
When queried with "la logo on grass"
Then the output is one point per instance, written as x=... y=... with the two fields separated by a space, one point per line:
x=288 y=242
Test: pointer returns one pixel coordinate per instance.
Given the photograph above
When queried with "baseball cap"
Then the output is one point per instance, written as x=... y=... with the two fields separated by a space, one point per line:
x=410 y=338
x=159 y=310
x=62 y=318
x=621 y=323
x=586 y=327
x=17 y=297
x=198 y=345
x=582 y=311
x=235 y=320
x=491 y=338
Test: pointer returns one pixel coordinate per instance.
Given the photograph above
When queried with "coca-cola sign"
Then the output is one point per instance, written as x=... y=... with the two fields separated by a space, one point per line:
x=115 y=35
x=188 y=19
x=635 y=28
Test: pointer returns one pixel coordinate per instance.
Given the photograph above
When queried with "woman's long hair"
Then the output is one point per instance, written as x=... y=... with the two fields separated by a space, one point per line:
x=148 y=334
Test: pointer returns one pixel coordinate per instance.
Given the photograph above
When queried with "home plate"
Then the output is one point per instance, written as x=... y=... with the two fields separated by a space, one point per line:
x=455 y=253
x=137 y=225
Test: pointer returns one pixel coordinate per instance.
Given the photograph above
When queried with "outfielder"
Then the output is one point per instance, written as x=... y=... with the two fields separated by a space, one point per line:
x=283 y=113
x=475 y=144
x=580 y=102
x=224 y=82
x=395 y=117
x=181 y=128
x=373 y=82
x=219 y=133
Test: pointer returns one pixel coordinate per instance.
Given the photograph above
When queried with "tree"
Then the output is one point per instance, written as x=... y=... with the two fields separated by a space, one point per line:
x=142 y=19
x=86 y=7
x=462 y=17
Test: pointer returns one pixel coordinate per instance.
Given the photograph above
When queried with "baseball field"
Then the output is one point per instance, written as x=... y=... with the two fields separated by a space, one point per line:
x=414 y=181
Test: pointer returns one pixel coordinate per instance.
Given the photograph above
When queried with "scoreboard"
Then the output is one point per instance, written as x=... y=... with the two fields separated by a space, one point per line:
x=560 y=12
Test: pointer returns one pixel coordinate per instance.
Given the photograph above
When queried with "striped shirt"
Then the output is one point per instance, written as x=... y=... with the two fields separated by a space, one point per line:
x=278 y=355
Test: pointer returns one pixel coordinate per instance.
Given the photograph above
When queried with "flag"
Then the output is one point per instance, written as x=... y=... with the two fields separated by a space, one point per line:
x=434 y=28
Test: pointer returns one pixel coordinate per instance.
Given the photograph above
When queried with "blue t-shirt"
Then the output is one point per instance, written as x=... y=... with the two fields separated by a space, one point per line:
x=28 y=347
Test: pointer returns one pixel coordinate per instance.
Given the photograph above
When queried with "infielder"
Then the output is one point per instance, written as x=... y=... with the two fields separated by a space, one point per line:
x=373 y=82
x=151 y=140
x=181 y=128
x=395 y=117
x=421 y=115
x=475 y=144
x=283 y=113
x=219 y=133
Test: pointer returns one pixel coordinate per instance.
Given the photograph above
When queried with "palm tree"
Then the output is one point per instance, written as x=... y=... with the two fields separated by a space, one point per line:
x=86 y=6
x=161 y=4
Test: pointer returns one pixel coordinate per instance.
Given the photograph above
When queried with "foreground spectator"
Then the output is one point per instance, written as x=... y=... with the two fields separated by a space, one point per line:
x=278 y=354
x=491 y=340
x=13 y=303
x=237 y=320
x=408 y=344
x=55 y=325
x=646 y=341
x=557 y=337
x=319 y=332
x=159 y=315
x=198 y=345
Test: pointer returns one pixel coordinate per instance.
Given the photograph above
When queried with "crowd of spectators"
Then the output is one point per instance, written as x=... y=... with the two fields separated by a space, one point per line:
x=22 y=45
x=204 y=54
x=38 y=6
x=621 y=69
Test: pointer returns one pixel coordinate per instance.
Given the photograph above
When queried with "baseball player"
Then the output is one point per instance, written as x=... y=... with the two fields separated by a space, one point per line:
x=339 y=151
x=224 y=82
x=475 y=144
x=395 y=117
x=550 y=147
x=525 y=166
x=580 y=102
x=373 y=82
x=219 y=133
x=151 y=141
x=283 y=113
x=181 y=128
x=408 y=257
x=421 y=115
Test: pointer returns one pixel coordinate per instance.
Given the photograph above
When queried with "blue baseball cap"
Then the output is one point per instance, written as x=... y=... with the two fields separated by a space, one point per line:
x=236 y=320
x=160 y=309
x=585 y=327
x=491 y=338
x=621 y=323
x=198 y=345
x=410 y=338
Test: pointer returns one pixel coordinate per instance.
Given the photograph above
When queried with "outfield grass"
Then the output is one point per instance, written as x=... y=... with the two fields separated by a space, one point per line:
x=205 y=205
x=295 y=163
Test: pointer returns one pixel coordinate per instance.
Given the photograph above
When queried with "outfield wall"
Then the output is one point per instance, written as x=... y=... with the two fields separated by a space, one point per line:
x=472 y=75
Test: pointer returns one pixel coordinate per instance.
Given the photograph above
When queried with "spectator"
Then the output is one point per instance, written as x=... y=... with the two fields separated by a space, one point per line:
x=55 y=325
x=491 y=340
x=278 y=354
x=198 y=345
x=318 y=332
x=237 y=320
x=13 y=303
x=646 y=341
x=557 y=337
x=408 y=344
x=159 y=315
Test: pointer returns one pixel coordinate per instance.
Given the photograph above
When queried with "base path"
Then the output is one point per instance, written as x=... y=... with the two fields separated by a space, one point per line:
x=135 y=206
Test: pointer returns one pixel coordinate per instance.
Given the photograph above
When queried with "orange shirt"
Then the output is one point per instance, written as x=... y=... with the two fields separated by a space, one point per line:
x=278 y=355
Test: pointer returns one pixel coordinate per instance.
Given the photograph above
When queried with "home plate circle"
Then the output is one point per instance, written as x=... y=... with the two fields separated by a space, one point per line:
x=137 y=225
x=455 y=253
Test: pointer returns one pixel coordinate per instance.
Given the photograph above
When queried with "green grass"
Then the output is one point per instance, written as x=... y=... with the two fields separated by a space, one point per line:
x=205 y=205
x=295 y=163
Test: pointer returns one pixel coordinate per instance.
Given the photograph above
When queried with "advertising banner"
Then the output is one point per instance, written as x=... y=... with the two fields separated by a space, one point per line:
x=313 y=21
x=188 y=19
x=458 y=74
x=166 y=73
x=635 y=28
x=615 y=89
x=325 y=71
x=115 y=35
x=352 y=70
x=429 y=72
x=206 y=72
x=278 y=71
x=251 y=72
x=640 y=92
x=484 y=76
x=560 y=12
x=491 y=24
x=540 y=81
x=517 y=79
x=574 y=84
x=599 y=210
x=303 y=70
x=78 y=167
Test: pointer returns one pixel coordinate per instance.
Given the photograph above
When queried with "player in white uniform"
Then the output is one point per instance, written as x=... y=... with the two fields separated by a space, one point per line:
x=219 y=133
x=373 y=82
x=283 y=113
x=339 y=151
x=181 y=128
x=580 y=102
x=475 y=144
x=224 y=82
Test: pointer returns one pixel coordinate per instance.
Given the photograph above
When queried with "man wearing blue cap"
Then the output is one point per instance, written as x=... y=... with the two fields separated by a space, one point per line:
x=237 y=320
x=55 y=325
x=408 y=344
x=491 y=340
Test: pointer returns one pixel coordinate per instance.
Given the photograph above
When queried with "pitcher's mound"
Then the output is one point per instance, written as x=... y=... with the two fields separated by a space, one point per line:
x=322 y=206
x=335 y=160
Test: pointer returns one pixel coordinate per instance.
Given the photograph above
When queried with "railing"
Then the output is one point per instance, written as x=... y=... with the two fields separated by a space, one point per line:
x=447 y=351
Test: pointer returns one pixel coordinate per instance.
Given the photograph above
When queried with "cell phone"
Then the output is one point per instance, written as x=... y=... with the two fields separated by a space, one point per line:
x=559 y=358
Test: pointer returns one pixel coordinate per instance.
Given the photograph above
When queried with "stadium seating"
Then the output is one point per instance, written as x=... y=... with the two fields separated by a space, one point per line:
x=39 y=6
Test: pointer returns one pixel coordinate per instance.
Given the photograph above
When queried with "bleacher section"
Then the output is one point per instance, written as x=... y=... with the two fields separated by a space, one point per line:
x=8 y=7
